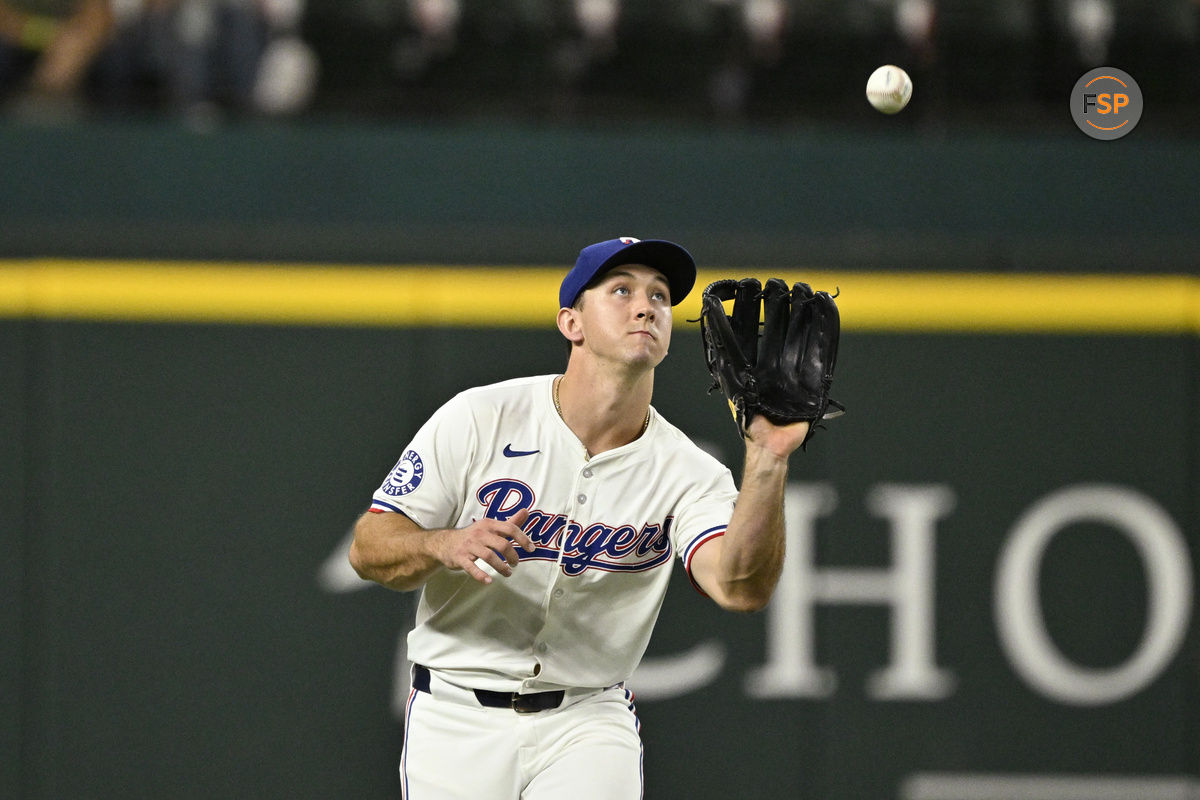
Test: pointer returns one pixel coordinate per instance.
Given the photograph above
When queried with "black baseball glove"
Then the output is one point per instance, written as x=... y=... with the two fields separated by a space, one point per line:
x=786 y=372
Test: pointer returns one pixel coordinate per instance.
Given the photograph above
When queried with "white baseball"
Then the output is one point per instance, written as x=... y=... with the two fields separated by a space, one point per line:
x=889 y=88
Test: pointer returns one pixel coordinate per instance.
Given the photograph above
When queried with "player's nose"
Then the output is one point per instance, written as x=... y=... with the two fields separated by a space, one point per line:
x=645 y=309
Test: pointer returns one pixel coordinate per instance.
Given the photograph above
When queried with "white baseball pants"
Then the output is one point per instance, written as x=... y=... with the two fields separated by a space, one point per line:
x=455 y=749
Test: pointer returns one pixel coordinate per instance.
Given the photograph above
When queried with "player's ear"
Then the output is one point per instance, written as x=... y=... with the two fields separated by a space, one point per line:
x=568 y=325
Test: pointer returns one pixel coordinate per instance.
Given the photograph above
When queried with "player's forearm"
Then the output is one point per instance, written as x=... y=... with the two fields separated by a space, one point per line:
x=752 y=549
x=393 y=551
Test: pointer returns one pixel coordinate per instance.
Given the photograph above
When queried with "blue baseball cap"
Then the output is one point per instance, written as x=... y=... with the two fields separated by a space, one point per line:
x=594 y=260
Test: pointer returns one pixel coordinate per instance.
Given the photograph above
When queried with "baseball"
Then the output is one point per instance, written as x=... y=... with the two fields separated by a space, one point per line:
x=889 y=89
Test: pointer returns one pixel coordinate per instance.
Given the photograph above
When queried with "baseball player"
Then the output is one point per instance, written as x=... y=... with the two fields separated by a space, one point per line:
x=540 y=518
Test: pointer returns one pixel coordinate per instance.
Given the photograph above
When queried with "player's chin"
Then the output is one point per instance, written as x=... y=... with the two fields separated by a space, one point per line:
x=649 y=356
x=654 y=345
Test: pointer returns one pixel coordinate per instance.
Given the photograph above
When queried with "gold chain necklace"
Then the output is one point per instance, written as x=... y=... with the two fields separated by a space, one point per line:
x=558 y=407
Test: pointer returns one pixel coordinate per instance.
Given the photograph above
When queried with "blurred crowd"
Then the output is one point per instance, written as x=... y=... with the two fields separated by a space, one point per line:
x=749 y=59
x=207 y=59
x=200 y=59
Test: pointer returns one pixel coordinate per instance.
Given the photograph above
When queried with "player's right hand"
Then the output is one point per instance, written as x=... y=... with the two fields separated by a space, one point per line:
x=490 y=541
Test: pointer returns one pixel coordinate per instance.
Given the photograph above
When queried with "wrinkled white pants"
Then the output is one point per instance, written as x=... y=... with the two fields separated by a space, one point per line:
x=455 y=749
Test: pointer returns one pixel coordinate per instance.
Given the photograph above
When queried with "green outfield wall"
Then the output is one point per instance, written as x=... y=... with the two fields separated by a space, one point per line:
x=890 y=193
x=989 y=587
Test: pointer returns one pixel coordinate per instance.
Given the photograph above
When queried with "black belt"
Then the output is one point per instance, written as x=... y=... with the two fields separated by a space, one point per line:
x=521 y=703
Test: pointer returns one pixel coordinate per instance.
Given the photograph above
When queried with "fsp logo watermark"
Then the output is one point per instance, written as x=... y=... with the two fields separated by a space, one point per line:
x=1106 y=103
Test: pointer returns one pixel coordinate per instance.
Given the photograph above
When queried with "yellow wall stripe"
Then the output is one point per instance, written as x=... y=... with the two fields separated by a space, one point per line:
x=413 y=295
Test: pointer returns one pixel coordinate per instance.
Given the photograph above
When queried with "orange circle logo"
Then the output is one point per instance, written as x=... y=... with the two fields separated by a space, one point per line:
x=1106 y=103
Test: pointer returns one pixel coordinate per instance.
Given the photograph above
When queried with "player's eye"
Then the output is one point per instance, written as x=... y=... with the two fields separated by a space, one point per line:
x=620 y=290
x=661 y=296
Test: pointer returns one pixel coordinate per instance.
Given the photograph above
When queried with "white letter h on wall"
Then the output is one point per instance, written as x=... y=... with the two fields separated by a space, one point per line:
x=907 y=587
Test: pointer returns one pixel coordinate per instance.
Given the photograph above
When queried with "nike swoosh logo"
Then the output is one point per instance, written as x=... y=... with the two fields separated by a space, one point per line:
x=510 y=453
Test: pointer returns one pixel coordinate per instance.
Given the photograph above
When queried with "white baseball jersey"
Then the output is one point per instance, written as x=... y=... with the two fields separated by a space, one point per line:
x=577 y=612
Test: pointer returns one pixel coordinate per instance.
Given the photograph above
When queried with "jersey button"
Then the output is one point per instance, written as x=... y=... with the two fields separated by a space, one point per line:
x=581 y=499
x=587 y=473
x=542 y=647
x=558 y=593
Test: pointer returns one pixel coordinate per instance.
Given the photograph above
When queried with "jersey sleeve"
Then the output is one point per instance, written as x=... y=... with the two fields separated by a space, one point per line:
x=704 y=516
x=426 y=485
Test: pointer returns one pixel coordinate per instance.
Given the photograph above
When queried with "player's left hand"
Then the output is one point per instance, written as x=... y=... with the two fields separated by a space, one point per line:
x=780 y=440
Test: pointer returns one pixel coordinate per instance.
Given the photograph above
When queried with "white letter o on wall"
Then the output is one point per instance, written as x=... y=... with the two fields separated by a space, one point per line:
x=1019 y=620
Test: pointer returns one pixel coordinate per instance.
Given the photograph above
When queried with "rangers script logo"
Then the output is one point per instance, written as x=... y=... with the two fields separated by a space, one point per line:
x=578 y=547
